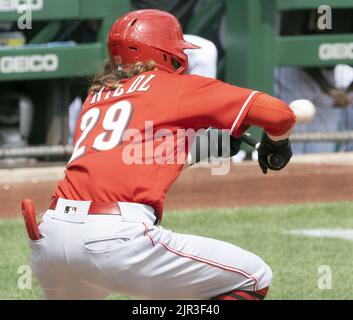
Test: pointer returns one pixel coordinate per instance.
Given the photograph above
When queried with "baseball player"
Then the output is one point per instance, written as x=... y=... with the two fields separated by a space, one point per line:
x=102 y=232
x=202 y=62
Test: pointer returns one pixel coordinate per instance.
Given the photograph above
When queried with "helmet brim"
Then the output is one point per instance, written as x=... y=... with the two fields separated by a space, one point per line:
x=189 y=45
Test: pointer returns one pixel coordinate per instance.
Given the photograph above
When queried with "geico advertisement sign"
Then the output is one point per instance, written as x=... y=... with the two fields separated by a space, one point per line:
x=33 y=63
x=15 y=5
x=336 y=51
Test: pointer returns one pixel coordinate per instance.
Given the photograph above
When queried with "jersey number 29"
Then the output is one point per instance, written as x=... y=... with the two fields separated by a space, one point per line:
x=114 y=123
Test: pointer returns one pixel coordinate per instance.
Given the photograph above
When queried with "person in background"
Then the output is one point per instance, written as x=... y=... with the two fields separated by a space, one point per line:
x=202 y=61
x=313 y=83
x=344 y=82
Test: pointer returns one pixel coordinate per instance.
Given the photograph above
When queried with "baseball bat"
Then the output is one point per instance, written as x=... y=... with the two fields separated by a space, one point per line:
x=276 y=160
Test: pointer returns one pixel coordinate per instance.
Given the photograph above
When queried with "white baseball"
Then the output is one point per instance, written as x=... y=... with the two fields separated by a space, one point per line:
x=303 y=109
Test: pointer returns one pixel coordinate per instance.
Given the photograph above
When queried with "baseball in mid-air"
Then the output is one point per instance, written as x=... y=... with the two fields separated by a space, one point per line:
x=304 y=110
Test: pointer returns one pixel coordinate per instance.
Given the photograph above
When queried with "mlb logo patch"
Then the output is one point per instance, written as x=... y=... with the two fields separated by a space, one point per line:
x=70 y=210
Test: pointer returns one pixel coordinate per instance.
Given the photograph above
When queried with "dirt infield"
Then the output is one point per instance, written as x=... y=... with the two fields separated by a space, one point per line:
x=245 y=185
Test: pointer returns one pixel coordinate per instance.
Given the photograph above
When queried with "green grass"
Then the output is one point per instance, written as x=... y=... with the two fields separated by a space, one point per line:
x=294 y=260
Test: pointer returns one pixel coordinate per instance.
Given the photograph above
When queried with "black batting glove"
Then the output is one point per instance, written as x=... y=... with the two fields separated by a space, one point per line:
x=227 y=151
x=268 y=148
x=214 y=143
x=234 y=145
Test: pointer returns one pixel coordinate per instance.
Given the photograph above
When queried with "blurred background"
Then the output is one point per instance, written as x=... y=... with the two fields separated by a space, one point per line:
x=289 y=48
x=48 y=55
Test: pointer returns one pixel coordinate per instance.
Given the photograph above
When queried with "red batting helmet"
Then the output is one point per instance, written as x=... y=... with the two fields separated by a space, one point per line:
x=149 y=35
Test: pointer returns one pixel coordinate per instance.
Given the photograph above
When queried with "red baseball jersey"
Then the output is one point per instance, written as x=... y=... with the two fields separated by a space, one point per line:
x=127 y=141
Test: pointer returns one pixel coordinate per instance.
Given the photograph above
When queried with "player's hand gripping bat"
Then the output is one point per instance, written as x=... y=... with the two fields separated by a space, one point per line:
x=304 y=111
x=276 y=161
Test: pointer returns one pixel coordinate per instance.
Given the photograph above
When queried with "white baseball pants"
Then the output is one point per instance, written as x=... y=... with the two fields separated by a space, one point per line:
x=91 y=257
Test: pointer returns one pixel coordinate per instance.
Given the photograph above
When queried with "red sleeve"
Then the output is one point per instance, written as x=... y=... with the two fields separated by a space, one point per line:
x=205 y=102
x=272 y=114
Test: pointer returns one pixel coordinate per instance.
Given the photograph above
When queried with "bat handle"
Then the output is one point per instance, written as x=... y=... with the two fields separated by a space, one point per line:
x=276 y=160
x=251 y=141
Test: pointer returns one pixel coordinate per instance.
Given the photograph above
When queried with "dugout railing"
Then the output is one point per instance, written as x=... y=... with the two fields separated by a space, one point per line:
x=73 y=59
x=253 y=48
x=42 y=67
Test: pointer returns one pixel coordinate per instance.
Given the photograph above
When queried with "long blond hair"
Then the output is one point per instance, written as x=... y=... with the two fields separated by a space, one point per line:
x=110 y=76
